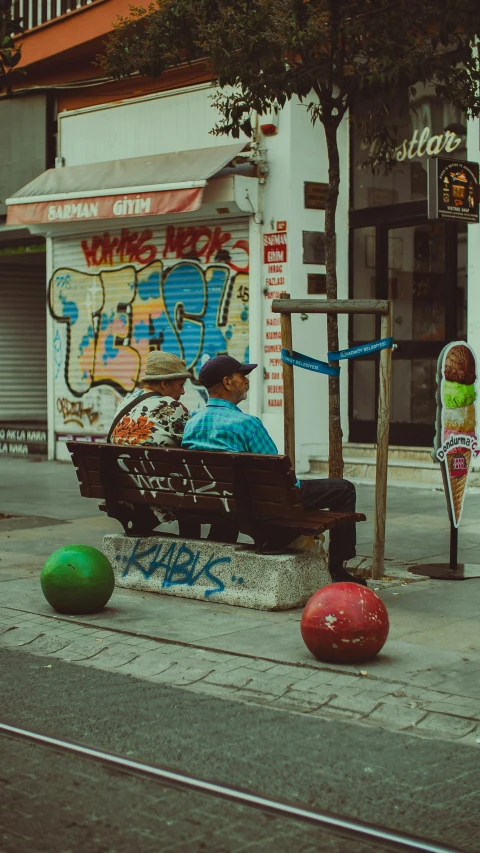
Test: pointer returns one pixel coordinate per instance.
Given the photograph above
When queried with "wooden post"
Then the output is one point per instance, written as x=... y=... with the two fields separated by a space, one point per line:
x=382 y=450
x=288 y=389
x=347 y=306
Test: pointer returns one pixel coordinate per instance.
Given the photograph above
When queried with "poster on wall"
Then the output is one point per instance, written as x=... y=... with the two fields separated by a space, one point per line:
x=274 y=260
x=115 y=296
x=453 y=190
x=456 y=428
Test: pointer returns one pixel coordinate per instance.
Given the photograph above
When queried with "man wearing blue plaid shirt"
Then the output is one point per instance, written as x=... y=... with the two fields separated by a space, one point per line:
x=223 y=426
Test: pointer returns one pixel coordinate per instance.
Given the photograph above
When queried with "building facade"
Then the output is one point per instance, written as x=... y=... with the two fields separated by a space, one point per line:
x=159 y=235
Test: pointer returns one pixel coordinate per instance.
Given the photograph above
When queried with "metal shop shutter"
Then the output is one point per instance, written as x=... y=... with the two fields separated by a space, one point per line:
x=23 y=338
x=216 y=247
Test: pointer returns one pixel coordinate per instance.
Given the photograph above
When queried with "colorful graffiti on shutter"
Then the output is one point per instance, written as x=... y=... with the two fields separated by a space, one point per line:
x=118 y=309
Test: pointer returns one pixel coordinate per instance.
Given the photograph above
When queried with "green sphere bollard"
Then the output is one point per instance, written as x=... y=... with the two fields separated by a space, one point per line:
x=77 y=579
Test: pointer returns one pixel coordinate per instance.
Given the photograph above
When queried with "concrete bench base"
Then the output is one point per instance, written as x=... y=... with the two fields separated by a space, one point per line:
x=213 y=571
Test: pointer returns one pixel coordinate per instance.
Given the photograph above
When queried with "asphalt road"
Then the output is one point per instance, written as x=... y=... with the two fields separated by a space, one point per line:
x=58 y=803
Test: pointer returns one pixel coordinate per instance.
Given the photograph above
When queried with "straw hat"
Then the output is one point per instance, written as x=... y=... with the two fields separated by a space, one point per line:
x=164 y=365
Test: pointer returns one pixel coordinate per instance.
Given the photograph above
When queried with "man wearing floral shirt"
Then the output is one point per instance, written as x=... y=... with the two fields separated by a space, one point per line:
x=154 y=415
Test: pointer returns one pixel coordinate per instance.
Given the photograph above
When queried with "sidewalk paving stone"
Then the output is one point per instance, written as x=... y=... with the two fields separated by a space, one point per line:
x=322 y=693
x=419 y=694
x=68 y=632
x=441 y=726
x=367 y=687
x=238 y=677
x=220 y=690
x=278 y=670
x=103 y=635
x=358 y=704
x=113 y=656
x=469 y=712
x=181 y=675
x=216 y=661
x=145 y=665
x=401 y=701
x=178 y=656
x=257 y=696
x=19 y=636
x=44 y=620
x=472 y=739
x=429 y=679
x=78 y=650
x=258 y=665
x=275 y=686
x=451 y=699
x=376 y=696
x=145 y=645
x=317 y=679
x=338 y=681
x=48 y=644
x=295 y=673
x=232 y=665
x=378 y=684
x=220 y=658
x=297 y=700
x=7 y=627
x=395 y=716
x=462 y=686
x=327 y=711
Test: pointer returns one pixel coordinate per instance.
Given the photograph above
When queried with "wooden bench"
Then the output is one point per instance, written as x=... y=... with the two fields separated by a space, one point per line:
x=258 y=491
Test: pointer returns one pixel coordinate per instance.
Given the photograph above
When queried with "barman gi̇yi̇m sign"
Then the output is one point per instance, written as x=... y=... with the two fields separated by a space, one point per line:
x=453 y=190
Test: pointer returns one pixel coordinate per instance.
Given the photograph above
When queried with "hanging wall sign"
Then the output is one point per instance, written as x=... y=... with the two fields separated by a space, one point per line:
x=315 y=195
x=456 y=428
x=275 y=283
x=453 y=190
x=275 y=248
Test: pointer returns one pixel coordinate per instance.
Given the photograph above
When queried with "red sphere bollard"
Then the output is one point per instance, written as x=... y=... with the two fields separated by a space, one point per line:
x=344 y=623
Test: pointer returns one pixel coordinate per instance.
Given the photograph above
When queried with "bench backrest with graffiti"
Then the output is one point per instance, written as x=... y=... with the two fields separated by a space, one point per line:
x=259 y=491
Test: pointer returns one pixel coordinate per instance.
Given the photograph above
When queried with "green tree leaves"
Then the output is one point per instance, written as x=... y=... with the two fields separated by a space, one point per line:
x=10 y=51
x=339 y=51
x=339 y=57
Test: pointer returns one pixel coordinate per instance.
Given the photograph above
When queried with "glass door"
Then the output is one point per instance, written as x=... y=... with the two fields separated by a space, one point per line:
x=421 y=267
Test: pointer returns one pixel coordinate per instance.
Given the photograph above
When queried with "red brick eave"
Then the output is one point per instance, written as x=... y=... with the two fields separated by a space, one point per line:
x=69 y=31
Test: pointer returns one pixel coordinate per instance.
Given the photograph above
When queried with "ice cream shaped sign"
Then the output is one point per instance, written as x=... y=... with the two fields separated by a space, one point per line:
x=456 y=435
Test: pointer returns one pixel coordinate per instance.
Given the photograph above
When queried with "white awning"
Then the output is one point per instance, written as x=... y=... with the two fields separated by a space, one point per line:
x=138 y=186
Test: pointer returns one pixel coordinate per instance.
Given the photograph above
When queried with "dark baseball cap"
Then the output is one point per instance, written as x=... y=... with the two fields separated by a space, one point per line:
x=215 y=369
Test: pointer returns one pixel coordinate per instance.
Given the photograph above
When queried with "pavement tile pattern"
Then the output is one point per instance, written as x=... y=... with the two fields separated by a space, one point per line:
x=369 y=700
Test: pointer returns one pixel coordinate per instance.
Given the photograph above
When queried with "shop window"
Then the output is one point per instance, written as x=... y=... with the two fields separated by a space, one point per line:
x=425 y=125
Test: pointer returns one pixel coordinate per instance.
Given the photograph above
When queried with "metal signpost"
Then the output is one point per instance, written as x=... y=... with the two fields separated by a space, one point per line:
x=286 y=307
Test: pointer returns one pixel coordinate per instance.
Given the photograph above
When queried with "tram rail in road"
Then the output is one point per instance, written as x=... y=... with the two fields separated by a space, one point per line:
x=338 y=825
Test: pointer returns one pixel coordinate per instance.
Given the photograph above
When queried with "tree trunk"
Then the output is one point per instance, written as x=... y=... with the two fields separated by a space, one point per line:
x=335 y=454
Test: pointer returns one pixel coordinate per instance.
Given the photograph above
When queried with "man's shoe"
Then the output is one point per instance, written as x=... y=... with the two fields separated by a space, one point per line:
x=340 y=575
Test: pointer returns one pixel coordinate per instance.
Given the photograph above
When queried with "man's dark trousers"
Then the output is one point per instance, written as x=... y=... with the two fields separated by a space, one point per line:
x=338 y=496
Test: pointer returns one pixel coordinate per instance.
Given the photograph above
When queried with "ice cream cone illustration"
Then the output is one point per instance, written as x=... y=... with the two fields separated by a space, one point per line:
x=458 y=467
x=456 y=438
